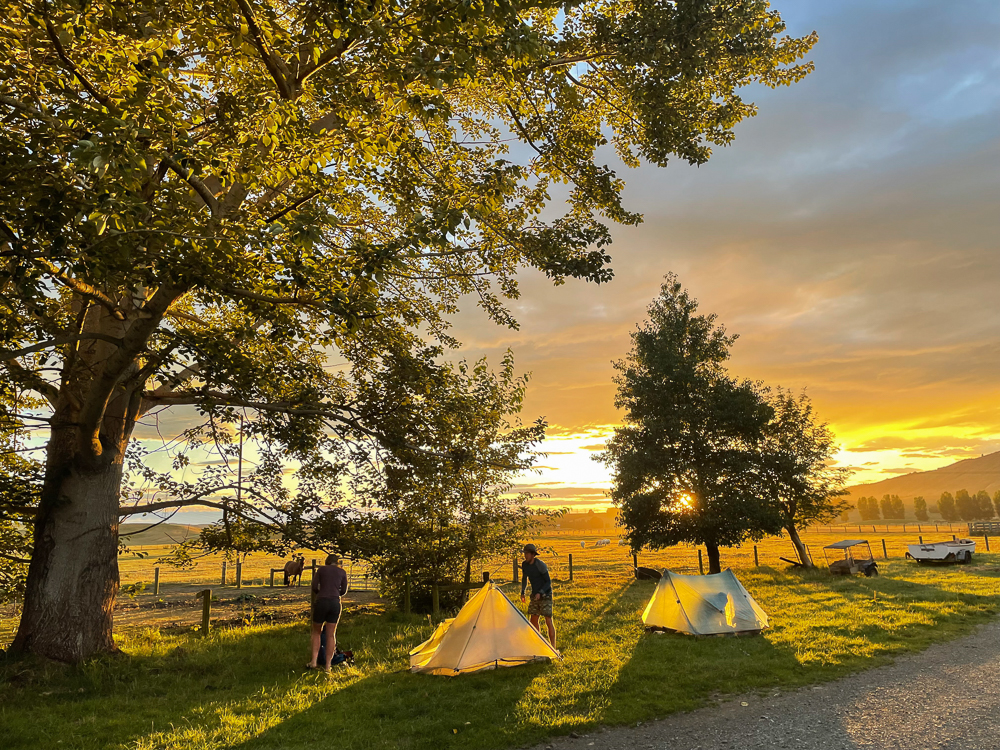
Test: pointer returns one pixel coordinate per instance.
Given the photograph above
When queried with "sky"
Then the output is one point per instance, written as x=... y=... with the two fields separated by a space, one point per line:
x=849 y=236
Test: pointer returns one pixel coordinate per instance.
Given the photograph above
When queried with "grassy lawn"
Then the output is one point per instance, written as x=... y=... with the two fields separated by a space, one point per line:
x=244 y=688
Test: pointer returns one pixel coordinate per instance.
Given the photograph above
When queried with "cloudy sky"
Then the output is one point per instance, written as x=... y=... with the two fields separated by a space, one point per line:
x=849 y=236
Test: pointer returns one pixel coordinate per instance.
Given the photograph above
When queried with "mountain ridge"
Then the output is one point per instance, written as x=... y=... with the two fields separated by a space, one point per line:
x=972 y=474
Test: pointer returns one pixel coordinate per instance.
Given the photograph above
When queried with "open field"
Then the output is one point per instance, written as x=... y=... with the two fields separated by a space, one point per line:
x=243 y=687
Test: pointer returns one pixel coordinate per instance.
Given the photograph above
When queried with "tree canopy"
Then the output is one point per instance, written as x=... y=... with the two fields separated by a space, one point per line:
x=270 y=209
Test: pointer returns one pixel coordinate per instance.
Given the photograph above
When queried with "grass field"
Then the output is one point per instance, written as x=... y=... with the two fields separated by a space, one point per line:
x=243 y=687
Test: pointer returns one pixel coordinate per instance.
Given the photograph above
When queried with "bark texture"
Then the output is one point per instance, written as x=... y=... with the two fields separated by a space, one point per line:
x=800 y=548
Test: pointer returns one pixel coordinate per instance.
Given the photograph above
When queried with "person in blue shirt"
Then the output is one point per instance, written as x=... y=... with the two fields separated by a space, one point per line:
x=534 y=570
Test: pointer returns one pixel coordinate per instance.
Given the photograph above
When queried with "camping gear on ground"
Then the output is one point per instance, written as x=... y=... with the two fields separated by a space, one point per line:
x=488 y=632
x=647 y=574
x=857 y=558
x=957 y=550
x=339 y=656
x=715 y=604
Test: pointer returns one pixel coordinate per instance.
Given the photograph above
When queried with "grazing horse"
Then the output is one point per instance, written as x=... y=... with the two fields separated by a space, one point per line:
x=293 y=569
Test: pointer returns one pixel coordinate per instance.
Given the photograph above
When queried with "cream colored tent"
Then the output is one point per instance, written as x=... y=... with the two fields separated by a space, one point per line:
x=489 y=632
x=703 y=605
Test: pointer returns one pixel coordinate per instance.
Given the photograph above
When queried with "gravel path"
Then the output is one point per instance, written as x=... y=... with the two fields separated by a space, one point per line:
x=945 y=698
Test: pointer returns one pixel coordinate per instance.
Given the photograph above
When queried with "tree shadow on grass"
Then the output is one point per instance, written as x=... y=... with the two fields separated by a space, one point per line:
x=494 y=709
x=181 y=693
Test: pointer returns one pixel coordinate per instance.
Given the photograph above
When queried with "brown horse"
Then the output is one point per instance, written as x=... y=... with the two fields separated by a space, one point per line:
x=293 y=569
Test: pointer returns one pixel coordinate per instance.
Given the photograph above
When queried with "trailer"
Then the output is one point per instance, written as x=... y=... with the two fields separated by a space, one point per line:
x=954 y=551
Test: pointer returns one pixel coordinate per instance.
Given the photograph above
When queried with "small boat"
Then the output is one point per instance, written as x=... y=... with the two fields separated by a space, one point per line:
x=957 y=550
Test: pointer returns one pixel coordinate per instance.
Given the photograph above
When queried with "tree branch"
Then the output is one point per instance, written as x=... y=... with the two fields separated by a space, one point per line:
x=91 y=89
x=288 y=209
x=33 y=381
x=275 y=65
x=83 y=288
x=6 y=354
x=199 y=187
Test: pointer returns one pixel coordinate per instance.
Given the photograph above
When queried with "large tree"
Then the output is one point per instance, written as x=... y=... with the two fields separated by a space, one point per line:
x=687 y=461
x=799 y=451
x=206 y=203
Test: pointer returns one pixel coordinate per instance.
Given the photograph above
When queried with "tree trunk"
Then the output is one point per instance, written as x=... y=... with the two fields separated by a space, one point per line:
x=714 y=564
x=73 y=575
x=800 y=548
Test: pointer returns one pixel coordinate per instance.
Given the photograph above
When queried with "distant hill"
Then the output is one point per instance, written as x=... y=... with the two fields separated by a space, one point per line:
x=165 y=533
x=972 y=474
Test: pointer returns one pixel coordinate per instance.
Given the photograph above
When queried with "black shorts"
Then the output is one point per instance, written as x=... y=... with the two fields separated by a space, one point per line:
x=326 y=610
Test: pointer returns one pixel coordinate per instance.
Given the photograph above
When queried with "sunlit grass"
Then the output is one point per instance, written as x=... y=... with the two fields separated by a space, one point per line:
x=245 y=688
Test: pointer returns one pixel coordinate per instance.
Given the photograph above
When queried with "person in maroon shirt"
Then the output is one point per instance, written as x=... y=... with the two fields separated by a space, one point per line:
x=329 y=584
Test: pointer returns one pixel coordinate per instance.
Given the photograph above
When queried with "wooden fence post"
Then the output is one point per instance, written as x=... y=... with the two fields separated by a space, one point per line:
x=756 y=560
x=223 y=572
x=272 y=578
x=635 y=560
x=701 y=562
x=515 y=579
x=920 y=540
x=885 y=555
x=486 y=577
x=435 y=601
x=156 y=581
x=987 y=538
x=239 y=574
x=571 y=563
x=406 y=595
x=206 y=610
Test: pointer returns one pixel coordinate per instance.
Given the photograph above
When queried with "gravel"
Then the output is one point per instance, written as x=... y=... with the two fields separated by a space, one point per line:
x=947 y=697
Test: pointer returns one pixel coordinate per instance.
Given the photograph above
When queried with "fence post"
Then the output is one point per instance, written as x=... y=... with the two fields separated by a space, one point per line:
x=486 y=577
x=987 y=538
x=635 y=560
x=920 y=540
x=756 y=560
x=571 y=562
x=515 y=571
x=701 y=562
x=206 y=611
x=223 y=572
x=904 y=527
x=239 y=574
x=156 y=581
x=885 y=555
x=436 y=601
x=406 y=595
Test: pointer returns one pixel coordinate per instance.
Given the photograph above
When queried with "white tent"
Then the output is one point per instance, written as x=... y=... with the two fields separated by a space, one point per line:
x=703 y=605
x=489 y=632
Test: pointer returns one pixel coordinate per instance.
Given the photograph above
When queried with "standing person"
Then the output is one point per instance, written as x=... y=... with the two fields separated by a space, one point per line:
x=534 y=570
x=329 y=584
